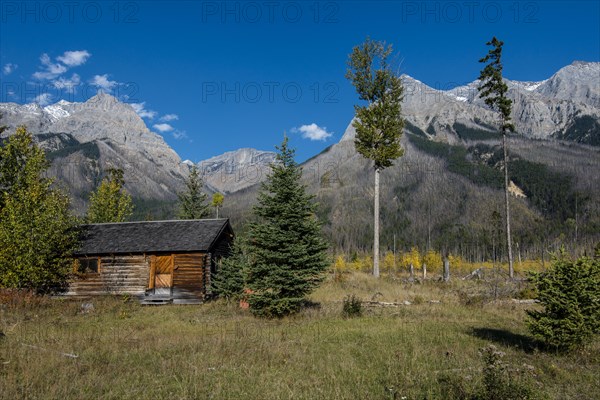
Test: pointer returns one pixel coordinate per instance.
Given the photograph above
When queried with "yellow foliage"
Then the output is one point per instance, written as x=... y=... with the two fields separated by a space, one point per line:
x=389 y=262
x=366 y=263
x=340 y=264
x=433 y=260
x=412 y=257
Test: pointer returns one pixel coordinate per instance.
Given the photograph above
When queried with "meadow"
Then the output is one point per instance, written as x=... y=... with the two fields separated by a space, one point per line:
x=410 y=338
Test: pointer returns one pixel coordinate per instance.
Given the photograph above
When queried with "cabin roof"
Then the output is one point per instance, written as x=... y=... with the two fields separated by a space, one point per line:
x=199 y=235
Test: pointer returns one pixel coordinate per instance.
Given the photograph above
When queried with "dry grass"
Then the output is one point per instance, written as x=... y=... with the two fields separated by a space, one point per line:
x=217 y=351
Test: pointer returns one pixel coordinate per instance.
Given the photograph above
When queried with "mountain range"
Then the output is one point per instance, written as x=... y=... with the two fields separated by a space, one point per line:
x=84 y=139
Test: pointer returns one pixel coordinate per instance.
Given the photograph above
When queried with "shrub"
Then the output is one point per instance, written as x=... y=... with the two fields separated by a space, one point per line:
x=499 y=381
x=498 y=384
x=352 y=306
x=570 y=295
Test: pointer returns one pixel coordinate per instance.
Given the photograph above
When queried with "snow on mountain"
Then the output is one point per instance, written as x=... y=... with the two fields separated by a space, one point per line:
x=56 y=112
x=84 y=139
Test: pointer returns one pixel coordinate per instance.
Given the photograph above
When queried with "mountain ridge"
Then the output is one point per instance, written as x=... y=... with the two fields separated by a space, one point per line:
x=103 y=132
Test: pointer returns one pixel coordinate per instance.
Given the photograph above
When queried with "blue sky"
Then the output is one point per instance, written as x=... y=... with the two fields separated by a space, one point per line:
x=213 y=76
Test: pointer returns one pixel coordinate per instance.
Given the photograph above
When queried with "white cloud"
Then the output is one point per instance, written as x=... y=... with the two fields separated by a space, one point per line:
x=177 y=134
x=140 y=109
x=50 y=70
x=102 y=82
x=163 y=127
x=67 y=83
x=9 y=68
x=312 y=132
x=169 y=117
x=74 y=58
x=43 y=99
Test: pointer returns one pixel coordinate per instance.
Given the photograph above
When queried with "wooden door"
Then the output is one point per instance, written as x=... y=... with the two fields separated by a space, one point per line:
x=161 y=275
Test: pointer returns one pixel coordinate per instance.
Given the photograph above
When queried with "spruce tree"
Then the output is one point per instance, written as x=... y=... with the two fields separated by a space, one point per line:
x=379 y=123
x=192 y=201
x=286 y=250
x=110 y=202
x=569 y=293
x=230 y=280
x=37 y=230
x=493 y=90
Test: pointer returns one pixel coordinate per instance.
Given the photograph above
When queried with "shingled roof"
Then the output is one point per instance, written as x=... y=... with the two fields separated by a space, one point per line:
x=152 y=237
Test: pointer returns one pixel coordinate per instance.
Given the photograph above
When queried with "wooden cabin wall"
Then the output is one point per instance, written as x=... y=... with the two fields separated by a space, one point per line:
x=117 y=275
x=191 y=275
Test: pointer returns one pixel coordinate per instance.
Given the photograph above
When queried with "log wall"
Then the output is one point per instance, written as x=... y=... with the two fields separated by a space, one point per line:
x=117 y=275
x=191 y=275
x=133 y=275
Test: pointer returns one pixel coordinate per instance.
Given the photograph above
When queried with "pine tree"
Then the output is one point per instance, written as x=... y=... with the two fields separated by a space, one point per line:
x=110 y=202
x=192 y=202
x=230 y=280
x=493 y=90
x=286 y=251
x=378 y=124
x=569 y=293
x=37 y=231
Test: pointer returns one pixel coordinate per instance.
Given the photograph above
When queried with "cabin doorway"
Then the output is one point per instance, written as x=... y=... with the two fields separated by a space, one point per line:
x=161 y=274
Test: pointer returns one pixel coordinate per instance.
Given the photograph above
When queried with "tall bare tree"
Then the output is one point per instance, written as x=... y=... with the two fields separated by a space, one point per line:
x=493 y=90
x=379 y=123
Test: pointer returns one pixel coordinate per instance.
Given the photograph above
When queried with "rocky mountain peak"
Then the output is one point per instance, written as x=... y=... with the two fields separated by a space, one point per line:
x=236 y=170
x=579 y=82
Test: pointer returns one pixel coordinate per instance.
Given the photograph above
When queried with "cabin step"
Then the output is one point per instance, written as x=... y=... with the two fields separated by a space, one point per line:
x=156 y=300
x=187 y=301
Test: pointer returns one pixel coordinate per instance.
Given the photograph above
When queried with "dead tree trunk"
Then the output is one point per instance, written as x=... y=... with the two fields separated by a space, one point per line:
x=446 y=269
x=511 y=271
x=376 y=227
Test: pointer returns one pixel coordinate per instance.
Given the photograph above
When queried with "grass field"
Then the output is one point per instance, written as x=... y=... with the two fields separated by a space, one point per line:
x=49 y=349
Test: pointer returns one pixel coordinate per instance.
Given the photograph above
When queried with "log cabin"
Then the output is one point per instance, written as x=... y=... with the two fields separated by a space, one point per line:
x=159 y=262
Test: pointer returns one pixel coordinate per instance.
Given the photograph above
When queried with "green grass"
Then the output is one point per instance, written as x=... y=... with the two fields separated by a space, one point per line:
x=217 y=351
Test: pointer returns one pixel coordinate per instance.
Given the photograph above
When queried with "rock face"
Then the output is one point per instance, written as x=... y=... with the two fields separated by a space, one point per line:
x=566 y=106
x=236 y=170
x=84 y=139
x=579 y=82
x=435 y=188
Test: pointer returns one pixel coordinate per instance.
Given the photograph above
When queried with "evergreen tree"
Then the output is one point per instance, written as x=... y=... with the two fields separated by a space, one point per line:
x=110 y=202
x=570 y=295
x=286 y=251
x=493 y=90
x=379 y=123
x=37 y=231
x=230 y=280
x=192 y=202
